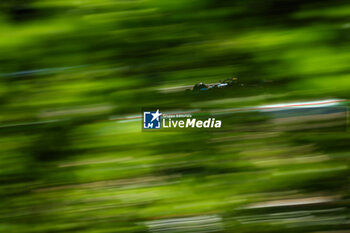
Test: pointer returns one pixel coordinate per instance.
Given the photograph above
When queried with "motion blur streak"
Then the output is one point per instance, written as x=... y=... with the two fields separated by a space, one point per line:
x=190 y=224
x=74 y=76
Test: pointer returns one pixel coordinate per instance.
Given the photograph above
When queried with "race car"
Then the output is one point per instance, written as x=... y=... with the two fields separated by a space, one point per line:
x=222 y=84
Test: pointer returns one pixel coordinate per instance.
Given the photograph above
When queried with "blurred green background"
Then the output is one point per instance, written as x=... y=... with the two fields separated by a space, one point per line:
x=69 y=68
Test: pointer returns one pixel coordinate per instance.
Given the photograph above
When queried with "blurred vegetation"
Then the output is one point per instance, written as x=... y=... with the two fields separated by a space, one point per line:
x=69 y=67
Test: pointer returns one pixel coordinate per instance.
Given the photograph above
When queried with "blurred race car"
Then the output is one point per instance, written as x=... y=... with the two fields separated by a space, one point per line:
x=222 y=84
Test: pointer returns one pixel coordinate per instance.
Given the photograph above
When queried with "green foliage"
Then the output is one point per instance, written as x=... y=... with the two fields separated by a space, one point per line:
x=68 y=68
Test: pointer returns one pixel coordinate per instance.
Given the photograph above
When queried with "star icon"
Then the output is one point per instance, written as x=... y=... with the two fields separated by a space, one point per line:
x=156 y=115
